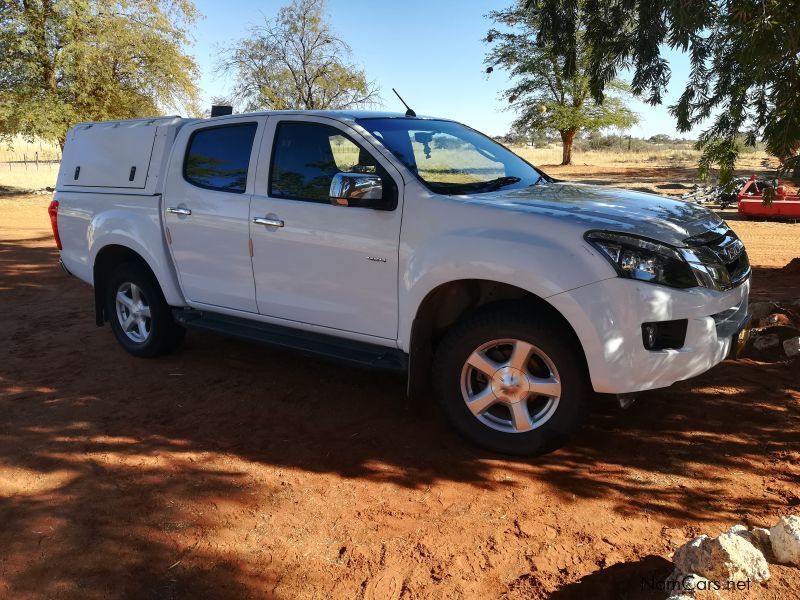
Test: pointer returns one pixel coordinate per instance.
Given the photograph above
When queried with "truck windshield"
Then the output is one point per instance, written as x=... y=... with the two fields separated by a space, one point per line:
x=451 y=158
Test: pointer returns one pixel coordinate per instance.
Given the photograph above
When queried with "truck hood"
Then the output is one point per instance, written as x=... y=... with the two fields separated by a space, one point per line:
x=613 y=209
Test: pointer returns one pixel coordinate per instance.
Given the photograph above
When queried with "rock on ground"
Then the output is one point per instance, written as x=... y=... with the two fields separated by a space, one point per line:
x=792 y=347
x=760 y=310
x=729 y=556
x=689 y=586
x=764 y=342
x=785 y=537
x=758 y=536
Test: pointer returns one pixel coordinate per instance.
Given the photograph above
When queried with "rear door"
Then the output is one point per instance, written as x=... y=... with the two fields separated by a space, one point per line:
x=324 y=265
x=206 y=211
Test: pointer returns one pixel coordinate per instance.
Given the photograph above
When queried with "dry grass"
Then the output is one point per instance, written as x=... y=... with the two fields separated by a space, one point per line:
x=21 y=150
x=655 y=156
x=27 y=164
x=30 y=177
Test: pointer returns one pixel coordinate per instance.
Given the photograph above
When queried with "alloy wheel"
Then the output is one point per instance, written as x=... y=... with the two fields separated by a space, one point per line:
x=510 y=385
x=133 y=312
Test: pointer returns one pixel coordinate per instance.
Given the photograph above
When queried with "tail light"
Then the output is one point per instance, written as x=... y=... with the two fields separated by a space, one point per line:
x=52 y=210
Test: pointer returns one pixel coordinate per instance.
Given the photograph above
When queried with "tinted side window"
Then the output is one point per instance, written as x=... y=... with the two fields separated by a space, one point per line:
x=306 y=156
x=217 y=157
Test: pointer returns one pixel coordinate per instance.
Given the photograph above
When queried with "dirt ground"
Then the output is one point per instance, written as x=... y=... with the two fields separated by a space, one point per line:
x=229 y=470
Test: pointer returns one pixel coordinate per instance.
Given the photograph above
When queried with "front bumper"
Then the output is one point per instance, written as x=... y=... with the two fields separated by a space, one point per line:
x=607 y=317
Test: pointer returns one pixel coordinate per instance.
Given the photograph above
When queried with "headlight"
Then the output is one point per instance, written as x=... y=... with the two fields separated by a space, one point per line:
x=644 y=259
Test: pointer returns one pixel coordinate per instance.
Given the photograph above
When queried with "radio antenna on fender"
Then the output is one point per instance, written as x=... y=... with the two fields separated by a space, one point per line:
x=409 y=112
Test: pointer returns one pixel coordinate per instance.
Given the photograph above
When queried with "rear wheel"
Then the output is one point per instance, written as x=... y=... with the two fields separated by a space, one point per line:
x=140 y=317
x=511 y=382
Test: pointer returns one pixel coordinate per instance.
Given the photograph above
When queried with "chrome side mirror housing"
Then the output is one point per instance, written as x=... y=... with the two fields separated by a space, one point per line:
x=361 y=190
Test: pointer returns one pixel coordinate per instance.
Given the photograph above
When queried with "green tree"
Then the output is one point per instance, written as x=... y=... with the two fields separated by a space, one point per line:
x=660 y=138
x=545 y=99
x=744 y=54
x=295 y=61
x=66 y=61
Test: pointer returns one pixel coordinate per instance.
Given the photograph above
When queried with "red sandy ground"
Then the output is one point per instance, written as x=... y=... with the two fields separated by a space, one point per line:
x=232 y=471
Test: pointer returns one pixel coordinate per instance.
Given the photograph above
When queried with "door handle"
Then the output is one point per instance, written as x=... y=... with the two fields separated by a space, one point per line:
x=269 y=222
x=179 y=210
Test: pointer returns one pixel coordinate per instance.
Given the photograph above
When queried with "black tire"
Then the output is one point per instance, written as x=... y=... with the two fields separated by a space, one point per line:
x=513 y=322
x=164 y=335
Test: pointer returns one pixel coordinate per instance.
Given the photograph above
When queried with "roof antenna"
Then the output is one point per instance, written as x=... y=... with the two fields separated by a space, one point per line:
x=409 y=112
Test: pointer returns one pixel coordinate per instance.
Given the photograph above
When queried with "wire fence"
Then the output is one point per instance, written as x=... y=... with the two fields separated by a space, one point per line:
x=29 y=174
x=28 y=163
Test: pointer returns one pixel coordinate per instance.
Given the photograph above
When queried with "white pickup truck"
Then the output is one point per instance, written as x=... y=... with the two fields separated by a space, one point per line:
x=402 y=243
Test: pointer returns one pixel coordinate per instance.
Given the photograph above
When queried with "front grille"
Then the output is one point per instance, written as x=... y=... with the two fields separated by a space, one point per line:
x=726 y=246
x=739 y=269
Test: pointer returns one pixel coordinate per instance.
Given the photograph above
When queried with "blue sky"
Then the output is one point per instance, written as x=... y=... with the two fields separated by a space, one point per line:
x=430 y=51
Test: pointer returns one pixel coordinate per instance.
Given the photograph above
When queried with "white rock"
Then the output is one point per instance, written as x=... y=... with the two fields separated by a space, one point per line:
x=738 y=529
x=691 y=586
x=688 y=556
x=785 y=538
x=758 y=536
x=729 y=557
x=764 y=342
x=792 y=346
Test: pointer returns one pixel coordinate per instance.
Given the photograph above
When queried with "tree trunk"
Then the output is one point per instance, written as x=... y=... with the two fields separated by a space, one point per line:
x=567 y=137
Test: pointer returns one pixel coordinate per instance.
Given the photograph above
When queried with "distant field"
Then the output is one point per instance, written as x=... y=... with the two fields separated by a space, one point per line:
x=29 y=177
x=21 y=150
x=18 y=168
x=652 y=156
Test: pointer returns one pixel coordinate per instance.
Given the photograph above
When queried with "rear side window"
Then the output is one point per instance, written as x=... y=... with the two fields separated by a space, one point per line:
x=218 y=157
x=306 y=156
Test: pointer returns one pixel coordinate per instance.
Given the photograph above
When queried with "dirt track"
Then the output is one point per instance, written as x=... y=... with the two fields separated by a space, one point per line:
x=232 y=471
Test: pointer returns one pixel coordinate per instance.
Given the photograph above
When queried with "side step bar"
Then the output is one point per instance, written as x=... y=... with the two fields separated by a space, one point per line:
x=309 y=343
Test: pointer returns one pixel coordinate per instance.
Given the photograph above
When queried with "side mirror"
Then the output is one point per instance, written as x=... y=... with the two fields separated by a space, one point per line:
x=360 y=190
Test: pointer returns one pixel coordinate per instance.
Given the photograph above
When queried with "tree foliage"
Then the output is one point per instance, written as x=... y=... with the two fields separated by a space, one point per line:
x=295 y=61
x=66 y=61
x=546 y=99
x=744 y=54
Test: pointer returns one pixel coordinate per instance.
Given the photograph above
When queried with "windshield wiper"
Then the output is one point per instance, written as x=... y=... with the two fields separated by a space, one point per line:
x=539 y=180
x=496 y=184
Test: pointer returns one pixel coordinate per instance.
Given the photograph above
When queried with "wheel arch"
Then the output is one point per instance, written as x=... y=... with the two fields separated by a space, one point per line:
x=449 y=302
x=106 y=260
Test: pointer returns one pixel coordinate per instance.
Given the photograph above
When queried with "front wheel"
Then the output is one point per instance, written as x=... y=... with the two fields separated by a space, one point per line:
x=511 y=382
x=140 y=316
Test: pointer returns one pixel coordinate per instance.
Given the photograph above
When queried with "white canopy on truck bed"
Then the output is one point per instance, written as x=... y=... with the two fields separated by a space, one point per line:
x=119 y=156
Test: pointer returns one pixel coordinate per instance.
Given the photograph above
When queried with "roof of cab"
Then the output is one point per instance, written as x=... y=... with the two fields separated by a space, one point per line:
x=342 y=115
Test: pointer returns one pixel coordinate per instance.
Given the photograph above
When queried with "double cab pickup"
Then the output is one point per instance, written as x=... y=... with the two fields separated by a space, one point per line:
x=403 y=243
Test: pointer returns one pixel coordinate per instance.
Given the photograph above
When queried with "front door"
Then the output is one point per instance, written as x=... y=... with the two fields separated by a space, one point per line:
x=206 y=211
x=316 y=263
